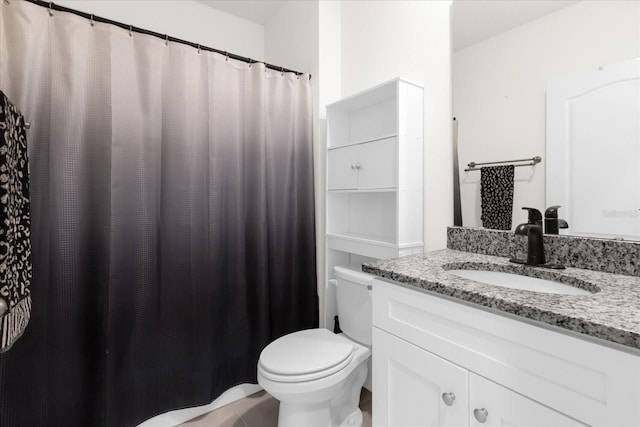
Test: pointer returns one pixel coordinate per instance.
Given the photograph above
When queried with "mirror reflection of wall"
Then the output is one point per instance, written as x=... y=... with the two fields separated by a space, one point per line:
x=499 y=87
x=593 y=150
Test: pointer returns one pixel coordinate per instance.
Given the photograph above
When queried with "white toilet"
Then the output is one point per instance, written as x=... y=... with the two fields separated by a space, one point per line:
x=317 y=375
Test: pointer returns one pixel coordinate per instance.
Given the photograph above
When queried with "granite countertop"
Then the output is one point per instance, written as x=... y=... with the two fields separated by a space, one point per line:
x=611 y=313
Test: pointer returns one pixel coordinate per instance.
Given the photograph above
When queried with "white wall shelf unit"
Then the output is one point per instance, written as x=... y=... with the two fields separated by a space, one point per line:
x=374 y=171
x=374 y=177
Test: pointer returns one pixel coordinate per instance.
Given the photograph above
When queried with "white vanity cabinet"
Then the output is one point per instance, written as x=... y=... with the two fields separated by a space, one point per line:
x=414 y=387
x=374 y=172
x=508 y=408
x=502 y=371
x=417 y=388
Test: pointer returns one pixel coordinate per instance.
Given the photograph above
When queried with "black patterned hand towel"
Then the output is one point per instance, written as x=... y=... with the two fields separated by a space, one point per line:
x=15 y=228
x=496 y=196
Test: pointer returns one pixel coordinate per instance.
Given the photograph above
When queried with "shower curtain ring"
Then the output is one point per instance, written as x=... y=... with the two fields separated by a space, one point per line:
x=91 y=21
x=7 y=2
x=50 y=10
x=250 y=62
x=130 y=30
x=226 y=54
x=282 y=71
x=166 y=39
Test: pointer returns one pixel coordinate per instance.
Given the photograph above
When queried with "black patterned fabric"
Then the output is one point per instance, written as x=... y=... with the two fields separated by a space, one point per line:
x=496 y=196
x=15 y=242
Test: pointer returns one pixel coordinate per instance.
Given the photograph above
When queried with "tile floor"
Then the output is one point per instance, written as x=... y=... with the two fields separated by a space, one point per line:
x=259 y=410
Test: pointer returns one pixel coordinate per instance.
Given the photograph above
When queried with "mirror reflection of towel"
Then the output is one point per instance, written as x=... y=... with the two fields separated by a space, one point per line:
x=496 y=196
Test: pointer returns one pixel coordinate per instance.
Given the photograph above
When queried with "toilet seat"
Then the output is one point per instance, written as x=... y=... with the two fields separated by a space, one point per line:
x=305 y=356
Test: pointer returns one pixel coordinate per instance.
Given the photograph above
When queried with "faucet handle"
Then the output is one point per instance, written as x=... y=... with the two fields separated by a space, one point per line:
x=535 y=216
x=552 y=211
x=551 y=221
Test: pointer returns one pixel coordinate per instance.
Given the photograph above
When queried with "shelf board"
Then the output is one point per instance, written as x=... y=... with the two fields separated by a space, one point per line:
x=375 y=94
x=364 y=190
x=364 y=141
x=366 y=246
x=361 y=238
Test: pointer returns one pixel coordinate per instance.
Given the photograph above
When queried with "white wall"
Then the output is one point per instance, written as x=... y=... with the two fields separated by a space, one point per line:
x=329 y=90
x=184 y=19
x=499 y=89
x=291 y=36
x=410 y=39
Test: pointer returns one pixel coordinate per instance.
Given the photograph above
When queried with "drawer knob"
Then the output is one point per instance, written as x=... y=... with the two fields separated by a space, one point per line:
x=448 y=398
x=481 y=415
x=358 y=165
x=354 y=166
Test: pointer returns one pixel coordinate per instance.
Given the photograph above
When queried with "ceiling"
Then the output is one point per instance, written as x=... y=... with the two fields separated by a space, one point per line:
x=472 y=20
x=477 y=20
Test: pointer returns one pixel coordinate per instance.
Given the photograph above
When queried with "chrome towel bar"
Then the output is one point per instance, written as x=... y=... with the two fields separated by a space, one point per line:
x=473 y=166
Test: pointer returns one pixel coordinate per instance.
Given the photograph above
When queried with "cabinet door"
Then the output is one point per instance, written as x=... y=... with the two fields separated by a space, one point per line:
x=504 y=407
x=342 y=168
x=413 y=387
x=378 y=164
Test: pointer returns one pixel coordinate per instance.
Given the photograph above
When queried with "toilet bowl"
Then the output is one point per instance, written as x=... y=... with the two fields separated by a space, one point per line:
x=317 y=375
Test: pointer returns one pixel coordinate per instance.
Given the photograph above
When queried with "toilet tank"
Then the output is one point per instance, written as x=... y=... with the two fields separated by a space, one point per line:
x=353 y=295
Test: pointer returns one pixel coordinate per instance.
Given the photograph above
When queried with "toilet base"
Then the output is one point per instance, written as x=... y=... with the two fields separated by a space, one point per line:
x=354 y=420
x=340 y=410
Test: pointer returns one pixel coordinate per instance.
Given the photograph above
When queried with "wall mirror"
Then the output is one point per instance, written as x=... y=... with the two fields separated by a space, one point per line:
x=593 y=150
x=500 y=87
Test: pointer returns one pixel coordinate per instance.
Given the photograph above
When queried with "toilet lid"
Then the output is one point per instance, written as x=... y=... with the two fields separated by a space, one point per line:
x=305 y=355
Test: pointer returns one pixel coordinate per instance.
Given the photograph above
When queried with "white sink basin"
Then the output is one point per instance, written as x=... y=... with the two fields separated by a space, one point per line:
x=516 y=281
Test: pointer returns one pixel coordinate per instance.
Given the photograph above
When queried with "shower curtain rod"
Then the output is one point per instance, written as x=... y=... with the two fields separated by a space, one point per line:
x=52 y=6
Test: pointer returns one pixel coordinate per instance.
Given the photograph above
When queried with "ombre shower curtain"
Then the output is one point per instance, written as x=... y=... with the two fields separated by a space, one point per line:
x=172 y=220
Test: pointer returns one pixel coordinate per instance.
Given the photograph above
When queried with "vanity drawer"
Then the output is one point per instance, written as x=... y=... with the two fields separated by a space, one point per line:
x=593 y=383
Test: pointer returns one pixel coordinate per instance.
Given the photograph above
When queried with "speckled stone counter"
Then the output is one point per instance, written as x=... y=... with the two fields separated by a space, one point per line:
x=611 y=313
x=613 y=256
